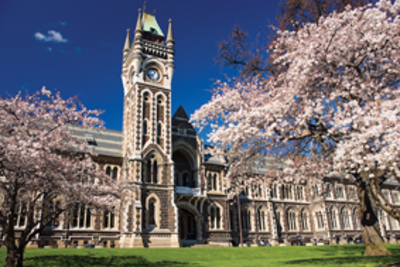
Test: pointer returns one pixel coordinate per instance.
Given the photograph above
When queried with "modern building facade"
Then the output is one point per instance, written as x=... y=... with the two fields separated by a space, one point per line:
x=181 y=198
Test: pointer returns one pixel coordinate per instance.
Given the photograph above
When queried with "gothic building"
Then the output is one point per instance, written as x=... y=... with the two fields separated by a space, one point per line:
x=181 y=198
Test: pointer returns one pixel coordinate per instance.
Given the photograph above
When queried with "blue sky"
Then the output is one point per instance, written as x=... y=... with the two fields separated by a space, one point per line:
x=76 y=46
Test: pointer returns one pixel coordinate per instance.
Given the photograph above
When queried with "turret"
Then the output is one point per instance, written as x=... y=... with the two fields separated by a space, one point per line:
x=171 y=52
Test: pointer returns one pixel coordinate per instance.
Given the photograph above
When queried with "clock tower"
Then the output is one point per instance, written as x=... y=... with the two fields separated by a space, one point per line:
x=150 y=218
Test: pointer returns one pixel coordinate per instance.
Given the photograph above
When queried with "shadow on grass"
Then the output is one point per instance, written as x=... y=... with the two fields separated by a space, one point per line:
x=84 y=261
x=344 y=261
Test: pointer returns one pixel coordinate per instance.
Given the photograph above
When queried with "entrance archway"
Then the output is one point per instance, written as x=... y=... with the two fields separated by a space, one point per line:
x=187 y=226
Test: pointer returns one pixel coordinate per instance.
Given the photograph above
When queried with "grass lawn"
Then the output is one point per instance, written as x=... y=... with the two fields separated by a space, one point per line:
x=349 y=255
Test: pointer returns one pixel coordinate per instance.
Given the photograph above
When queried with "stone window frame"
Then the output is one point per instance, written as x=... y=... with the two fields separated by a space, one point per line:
x=291 y=219
x=305 y=220
x=157 y=212
x=262 y=213
x=215 y=216
x=85 y=219
x=114 y=171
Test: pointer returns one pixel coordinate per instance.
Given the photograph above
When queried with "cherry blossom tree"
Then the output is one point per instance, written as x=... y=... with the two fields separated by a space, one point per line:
x=333 y=111
x=44 y=169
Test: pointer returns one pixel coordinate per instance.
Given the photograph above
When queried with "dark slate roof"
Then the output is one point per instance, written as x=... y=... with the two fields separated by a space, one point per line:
x=106 y=142
x=180 y=113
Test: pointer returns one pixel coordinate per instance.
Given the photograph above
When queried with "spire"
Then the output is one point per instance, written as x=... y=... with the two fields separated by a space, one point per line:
x=139 y=21
x=127 y=45
x=170 y=36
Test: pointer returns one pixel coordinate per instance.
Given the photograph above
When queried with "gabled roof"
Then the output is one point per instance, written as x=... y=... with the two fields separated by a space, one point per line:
x=180 y=113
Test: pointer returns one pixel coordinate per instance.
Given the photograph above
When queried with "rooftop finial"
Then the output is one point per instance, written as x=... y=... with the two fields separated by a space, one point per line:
x=144 y=6
x=139 y=21
x=170 y=36
x=127 y=45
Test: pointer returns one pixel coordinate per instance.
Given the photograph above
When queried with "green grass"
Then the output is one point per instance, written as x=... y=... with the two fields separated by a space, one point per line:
x=350 y=255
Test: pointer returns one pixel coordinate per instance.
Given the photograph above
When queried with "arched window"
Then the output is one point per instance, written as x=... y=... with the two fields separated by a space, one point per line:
x=148 y=171
x=320 y=220
x=209 y=182
x=304 y=220
x=215 y=217
x=152 y=212
x=108 y=171
x=20 y=219
x=152 y=170
x=356 y=220
x=160 y=111
x=273 y=191
x=155 y=172
x=232 y=213
x=345 y=216
x=291 y=220
x=115 y=173
x=159 y=132
x=246 y=219
x=212 y=182
x=333 y=218
x=145 y=127
x=261 y=218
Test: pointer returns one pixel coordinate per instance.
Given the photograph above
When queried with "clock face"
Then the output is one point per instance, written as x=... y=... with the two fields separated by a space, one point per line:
x=153 y=74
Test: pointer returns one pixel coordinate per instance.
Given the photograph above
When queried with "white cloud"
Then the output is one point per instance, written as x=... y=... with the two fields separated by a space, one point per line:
x=52 y=36
x=50 y=49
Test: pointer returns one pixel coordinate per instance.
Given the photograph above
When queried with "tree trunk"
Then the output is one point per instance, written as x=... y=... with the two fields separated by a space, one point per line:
x=20 y=255
x=240 y=220
x=11 y=258
x=374 y=244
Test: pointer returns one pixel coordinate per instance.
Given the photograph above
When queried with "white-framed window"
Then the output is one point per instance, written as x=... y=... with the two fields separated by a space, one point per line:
x=291 y=220
x=212 y=181
x=346 y=219
x=81 y=217
x=352 y=192
x=320 y=219
x=333 y=218
x=287 y=191
x=393 y=222
x=339 y=192
x=304 y=220
x=386 y=195
x=20 y=216
x=261 y=218
x=396 y=198
x=215 y=217
x=273 y=190
x=356 y=219
x=328 y=190
x=108 y=220
x=299 y=192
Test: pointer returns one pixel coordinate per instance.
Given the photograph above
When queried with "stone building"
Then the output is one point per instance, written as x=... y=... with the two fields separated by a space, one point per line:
x=182 y=198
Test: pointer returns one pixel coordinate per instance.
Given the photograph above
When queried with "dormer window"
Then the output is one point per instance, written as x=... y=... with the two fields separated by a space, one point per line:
x=181 y=129
x=90 y=140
